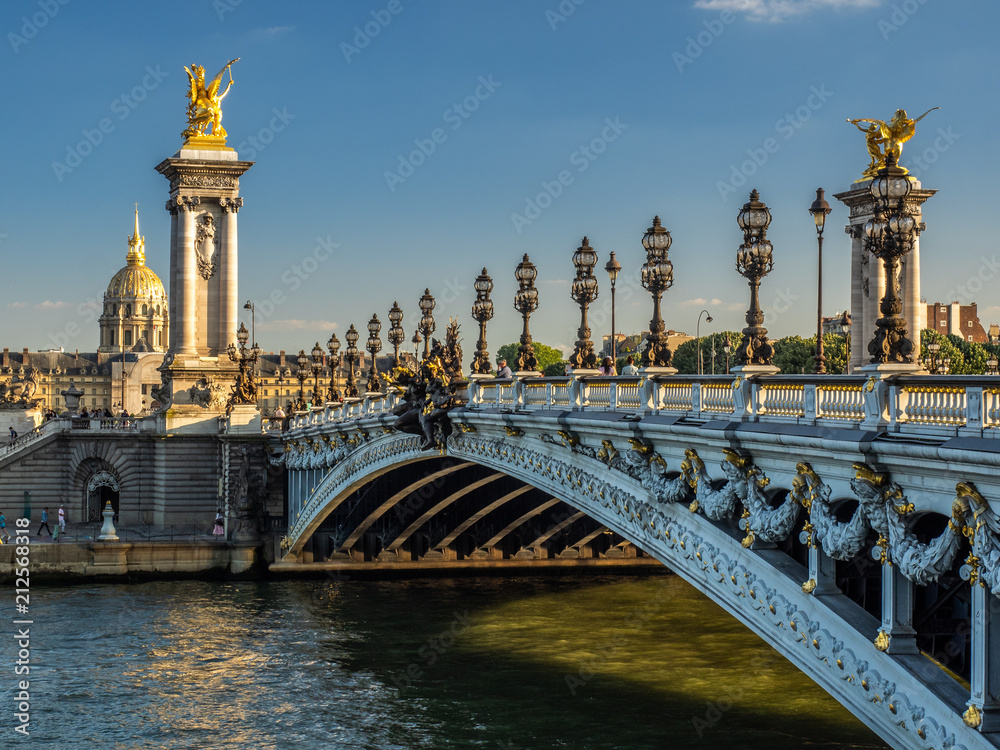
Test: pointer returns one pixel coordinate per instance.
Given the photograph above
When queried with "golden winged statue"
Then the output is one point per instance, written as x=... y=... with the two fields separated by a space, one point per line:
x=205 y=102
x=883 y=138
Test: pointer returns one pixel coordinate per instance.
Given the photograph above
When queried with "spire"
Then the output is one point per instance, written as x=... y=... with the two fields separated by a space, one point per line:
x=136 y=244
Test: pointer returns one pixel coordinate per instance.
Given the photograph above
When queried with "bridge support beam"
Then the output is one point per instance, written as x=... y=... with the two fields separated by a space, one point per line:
x=822 y=573
x=897 y=613
x=985 y=676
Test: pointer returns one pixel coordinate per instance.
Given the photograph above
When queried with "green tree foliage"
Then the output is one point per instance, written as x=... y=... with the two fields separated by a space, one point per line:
x=545 y=355
x=555 y=369
x=967 y=357
x=794 y=354
x=685 y=359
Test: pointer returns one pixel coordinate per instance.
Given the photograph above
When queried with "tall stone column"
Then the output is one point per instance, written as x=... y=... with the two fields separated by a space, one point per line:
x=204 y=201
x=229 y=304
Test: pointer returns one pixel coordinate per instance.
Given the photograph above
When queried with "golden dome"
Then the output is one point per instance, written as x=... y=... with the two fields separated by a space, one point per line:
x=136 y=280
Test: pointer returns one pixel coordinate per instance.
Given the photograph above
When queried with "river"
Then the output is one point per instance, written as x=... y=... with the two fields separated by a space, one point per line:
x=528 y=663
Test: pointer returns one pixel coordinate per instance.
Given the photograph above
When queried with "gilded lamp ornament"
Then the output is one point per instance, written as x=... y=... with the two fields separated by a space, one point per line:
x=584 y=291
x=482 y=312
x=426 y=325
x=245 y=390
x=884 y=138
x=205 y=104
x=754 y=262
x=374 y=347
x=395 y=335
x=889 y=235
x=526 y=302
x=657 y=277
x=352 y=356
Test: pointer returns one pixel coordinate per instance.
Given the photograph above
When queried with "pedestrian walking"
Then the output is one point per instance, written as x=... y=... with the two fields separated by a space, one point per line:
x=62 y=520
x=13 y=434
x=45 y=523
x=3 y=527
x=220 y=525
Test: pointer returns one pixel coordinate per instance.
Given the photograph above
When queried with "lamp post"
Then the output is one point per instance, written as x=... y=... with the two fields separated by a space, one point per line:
x=317 y=368
x=374 y=347
x=416 y=346
x=526 y=302
x=890 y=235
x=333 y=346
x=482 y=311
x=613 y=267
x=991 y=366
x=426 y=325
x=934 y=363
x=302 y=374
x=727 y=349
x=845 y=328
x=351 y=356
x=713 y=354
x=584 y=291
x=697 y=337
x=395 y=335
x=819 y=209
x=253 y=337
x=754 y=262
x=657 y=277
x=245 y=391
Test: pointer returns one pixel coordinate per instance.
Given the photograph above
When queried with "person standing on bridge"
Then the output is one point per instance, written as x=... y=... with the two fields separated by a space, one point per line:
x=219 y=528
x=503 y=371
x=3 y=526
x=62 y=520
x=13 y=434
x=630 y=370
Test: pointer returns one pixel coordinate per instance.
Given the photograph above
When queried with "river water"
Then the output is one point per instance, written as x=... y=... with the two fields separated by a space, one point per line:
x=589 y=663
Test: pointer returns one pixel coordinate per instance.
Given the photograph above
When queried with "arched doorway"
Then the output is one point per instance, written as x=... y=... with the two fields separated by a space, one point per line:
x=102 y=488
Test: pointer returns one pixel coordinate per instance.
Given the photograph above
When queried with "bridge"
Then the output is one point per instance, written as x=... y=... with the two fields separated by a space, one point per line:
x=850 y=522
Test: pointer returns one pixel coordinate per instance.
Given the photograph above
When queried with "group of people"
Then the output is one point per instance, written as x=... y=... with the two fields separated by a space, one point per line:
x=607 y=368
x=60 y=529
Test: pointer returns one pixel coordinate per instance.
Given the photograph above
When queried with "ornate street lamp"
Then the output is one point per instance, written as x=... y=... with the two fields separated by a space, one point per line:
x=317 y=368
x=302 y=374
x=819 y=209
x=416 y=346
x=845 y=328
x=333 y=346
x=245 y=391
x=991 y=366
x=891 y=234
x=482 y=311
x=426 y=325
x=754 y=262
x=728 y=348
x=934 y=363
x=697 y=338
x=526 y=302
x=374 y=347
x=584 y=291
x=613 y=267
x=352 y=356
x=395 y=335
x=657 y=277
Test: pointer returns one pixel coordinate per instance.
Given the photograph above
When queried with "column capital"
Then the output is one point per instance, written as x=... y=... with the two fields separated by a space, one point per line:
x=182 y=203
x=231 y=205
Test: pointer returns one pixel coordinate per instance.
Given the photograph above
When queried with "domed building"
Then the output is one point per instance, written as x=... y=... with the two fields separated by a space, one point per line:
x=135 y=304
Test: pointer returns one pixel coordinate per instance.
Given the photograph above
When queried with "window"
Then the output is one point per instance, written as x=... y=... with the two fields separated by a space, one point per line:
x=112 y=338
x=943 y=323
x=970 y=337
x=128 y=338
x=128 y=311
x=145 y=310
x=145 y=388
x=970 y=324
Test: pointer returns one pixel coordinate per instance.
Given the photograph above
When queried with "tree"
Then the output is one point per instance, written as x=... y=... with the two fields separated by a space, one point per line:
x=685 y=359
x=794 y=354
x=545 y=355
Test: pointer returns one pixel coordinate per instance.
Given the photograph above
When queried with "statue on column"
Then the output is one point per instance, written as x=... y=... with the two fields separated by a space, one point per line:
x=205 y=102
x=884 y=137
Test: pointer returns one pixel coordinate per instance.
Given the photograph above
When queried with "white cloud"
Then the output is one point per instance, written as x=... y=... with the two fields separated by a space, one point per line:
x=780 y=10
x=17 y=305
x=50 y=305
x=297 y=325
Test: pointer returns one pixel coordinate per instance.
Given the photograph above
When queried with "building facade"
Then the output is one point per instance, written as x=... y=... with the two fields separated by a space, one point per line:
x=958 y=319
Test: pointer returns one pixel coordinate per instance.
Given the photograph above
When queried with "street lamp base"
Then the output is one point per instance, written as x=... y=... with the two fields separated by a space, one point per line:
x=647 y=372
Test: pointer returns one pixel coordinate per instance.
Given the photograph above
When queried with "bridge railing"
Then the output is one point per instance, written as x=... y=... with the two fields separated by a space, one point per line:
x=340 y=411
x=927 y=404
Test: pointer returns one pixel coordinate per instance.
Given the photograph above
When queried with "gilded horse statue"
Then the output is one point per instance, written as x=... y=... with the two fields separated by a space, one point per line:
x=883 y=137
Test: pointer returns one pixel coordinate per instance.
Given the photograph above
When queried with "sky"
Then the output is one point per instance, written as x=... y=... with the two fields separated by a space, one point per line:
x=406 y=144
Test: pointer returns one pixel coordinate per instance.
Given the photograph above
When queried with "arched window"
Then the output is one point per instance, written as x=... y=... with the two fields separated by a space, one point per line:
x=128 y=311
x=128 y=338
x=114 y=309
x=145 y=310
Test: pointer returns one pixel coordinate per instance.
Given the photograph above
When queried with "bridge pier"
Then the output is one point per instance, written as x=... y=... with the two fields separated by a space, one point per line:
x=984 y=680
x=896 y=635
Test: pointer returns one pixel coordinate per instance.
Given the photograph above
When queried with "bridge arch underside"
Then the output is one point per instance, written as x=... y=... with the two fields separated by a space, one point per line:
x=820 y=613
x=439 y=508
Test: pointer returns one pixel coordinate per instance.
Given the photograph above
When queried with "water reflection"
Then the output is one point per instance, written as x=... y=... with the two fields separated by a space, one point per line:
x=524 y=663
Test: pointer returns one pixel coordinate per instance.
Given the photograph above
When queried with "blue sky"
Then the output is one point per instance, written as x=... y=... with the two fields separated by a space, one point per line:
x=417 y=138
